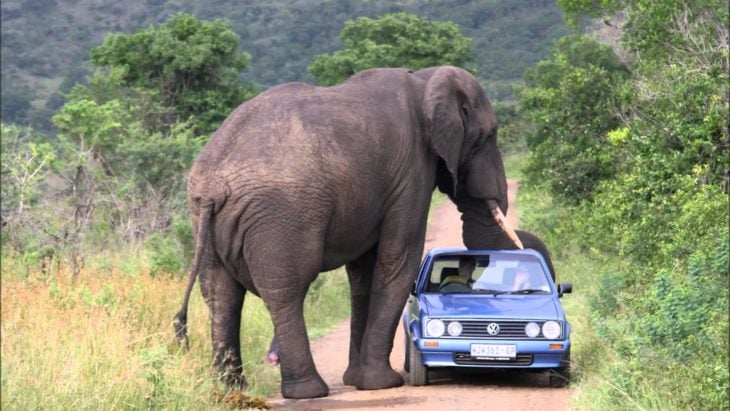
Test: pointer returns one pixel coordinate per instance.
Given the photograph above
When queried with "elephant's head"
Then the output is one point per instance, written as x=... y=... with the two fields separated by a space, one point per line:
x=463 y=131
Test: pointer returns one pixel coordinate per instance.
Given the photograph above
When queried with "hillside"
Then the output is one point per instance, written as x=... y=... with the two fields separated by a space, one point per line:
x=46 y=42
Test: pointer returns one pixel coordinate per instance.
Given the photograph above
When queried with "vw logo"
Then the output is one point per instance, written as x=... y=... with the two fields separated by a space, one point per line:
x=493 y=329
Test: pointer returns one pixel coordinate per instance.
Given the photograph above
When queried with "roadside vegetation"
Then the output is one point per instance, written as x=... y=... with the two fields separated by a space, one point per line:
x=627 y=181
x=103 y=339
x=620 y=145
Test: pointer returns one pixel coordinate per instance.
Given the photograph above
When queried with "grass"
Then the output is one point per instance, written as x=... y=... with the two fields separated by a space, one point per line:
x=573 y=266
x=105 y=339
x=513 y=164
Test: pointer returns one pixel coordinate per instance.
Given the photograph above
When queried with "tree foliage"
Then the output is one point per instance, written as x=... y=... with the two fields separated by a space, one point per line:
x=658 y=129
x=394 y=40
x=26 y=162
x=44 y=54
x=125 y=143
x=573 y=100
x=192 y=65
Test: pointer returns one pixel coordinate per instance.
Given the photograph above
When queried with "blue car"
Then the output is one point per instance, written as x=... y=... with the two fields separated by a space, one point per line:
x=486 y=309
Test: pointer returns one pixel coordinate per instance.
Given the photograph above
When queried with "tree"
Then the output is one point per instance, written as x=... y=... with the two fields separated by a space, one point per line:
x=573 y=100
x=394 y=40
x=25 y=164
x=663 y=29
x=192 y=66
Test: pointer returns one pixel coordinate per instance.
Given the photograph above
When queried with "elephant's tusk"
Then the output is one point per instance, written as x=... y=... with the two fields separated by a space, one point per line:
x=503 y=224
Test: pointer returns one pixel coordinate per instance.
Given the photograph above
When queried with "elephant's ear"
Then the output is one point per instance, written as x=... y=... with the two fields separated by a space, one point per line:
x=442 y=101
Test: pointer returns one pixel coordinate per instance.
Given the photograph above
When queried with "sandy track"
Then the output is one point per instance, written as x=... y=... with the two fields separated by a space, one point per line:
x=446 y=390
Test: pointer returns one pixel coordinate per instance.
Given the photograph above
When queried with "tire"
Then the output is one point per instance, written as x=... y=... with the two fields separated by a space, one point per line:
x=560 y=377
x=407 y=357
x=417 y=372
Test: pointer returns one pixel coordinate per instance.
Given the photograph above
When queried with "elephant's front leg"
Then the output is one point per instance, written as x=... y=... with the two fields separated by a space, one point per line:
x=224 y=297
x=360 y=276
x=394 y=272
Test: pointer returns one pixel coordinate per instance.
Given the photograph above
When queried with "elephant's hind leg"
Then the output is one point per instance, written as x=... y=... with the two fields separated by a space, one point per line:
x=224 y=296
x=282 y=286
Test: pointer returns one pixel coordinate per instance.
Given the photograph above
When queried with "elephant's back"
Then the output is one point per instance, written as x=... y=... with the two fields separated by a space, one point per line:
x=297 y=129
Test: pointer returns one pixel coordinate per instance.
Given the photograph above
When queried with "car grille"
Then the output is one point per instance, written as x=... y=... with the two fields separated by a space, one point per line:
x=507 y=329
x=464 y=358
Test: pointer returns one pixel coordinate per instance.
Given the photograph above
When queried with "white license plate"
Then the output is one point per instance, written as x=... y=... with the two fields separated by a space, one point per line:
x=493 y=351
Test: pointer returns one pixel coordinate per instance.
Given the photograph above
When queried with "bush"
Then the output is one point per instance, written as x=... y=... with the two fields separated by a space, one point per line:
x=164 y=254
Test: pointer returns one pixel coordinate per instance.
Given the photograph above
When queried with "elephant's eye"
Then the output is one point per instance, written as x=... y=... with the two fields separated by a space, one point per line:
x=481 y=141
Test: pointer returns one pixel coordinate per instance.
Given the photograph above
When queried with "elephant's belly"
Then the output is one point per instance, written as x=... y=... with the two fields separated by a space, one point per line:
x=346 y=247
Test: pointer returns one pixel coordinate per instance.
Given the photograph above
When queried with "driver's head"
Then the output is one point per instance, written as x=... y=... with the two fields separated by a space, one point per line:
x=467 y=264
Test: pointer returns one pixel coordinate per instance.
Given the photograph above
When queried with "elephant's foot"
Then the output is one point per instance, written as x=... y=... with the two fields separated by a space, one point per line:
x=350 y=377
x=372 y=378
x=234 y=381
x=312 y=387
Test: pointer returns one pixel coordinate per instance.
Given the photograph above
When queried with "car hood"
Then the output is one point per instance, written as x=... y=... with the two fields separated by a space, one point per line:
x=506 y=306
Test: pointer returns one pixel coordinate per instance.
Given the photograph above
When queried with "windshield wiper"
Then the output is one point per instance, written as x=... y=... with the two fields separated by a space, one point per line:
x=489 y=291
x=528 y=291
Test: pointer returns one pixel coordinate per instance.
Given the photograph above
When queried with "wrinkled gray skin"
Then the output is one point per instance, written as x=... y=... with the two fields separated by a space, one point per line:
x=305 y=179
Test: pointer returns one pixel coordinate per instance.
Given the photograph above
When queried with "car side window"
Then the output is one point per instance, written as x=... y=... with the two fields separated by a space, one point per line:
x=441 y=269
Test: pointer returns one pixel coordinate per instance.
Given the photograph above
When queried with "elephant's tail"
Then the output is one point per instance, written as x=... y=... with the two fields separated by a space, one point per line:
x=180 y=321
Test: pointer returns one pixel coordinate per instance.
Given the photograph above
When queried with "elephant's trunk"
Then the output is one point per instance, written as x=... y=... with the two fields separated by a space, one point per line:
x=503 y=223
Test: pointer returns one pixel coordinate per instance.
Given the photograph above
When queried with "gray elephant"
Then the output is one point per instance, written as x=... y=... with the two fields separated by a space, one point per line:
x=304 y=179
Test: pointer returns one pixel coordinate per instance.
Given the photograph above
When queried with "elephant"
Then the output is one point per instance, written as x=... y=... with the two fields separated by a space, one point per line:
x=304 y=179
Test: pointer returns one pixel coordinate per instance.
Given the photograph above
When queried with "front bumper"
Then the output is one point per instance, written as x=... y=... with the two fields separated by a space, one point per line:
x=457 y=353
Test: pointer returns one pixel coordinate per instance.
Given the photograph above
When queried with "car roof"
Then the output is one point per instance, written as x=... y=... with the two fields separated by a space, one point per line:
x=437 y=251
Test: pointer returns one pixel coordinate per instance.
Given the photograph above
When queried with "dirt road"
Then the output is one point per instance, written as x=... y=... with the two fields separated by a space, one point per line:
x=446 y=390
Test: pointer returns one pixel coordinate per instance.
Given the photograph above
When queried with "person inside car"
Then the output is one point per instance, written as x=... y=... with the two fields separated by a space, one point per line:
x=528 y=281
x=522 y=278
x=461 y=282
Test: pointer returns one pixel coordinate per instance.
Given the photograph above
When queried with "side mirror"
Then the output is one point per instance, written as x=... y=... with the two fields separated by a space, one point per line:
x=565 y=288
x=413 y=288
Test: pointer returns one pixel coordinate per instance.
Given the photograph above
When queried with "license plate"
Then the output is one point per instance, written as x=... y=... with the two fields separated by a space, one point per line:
x=493 y=351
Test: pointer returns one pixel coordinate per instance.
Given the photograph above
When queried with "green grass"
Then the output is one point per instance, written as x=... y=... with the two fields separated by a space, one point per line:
x=513 y=164
x=105 y=340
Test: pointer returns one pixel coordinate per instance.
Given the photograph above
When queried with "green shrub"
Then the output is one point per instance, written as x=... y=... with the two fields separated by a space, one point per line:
x=164 y=254
x=183 y=230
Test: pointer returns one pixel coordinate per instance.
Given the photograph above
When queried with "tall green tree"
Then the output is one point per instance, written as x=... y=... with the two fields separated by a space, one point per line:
x=572 y=101
x=193 y=66
x=394 y=40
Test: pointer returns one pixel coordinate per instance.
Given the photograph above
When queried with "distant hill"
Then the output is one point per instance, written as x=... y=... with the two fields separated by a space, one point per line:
x=45 y=42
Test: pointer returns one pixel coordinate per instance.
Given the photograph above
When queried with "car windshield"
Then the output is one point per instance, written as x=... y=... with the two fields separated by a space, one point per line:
x=499 y=273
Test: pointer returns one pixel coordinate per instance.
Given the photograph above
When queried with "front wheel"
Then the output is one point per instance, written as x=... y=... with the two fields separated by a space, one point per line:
x=560 y=377
x=407 y=357
x=417 y=372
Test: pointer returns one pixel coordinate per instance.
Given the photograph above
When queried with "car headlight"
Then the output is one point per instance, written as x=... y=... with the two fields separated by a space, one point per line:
x=551 y=330
x=454 y=329
x=435 y=328
x=532 y=330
